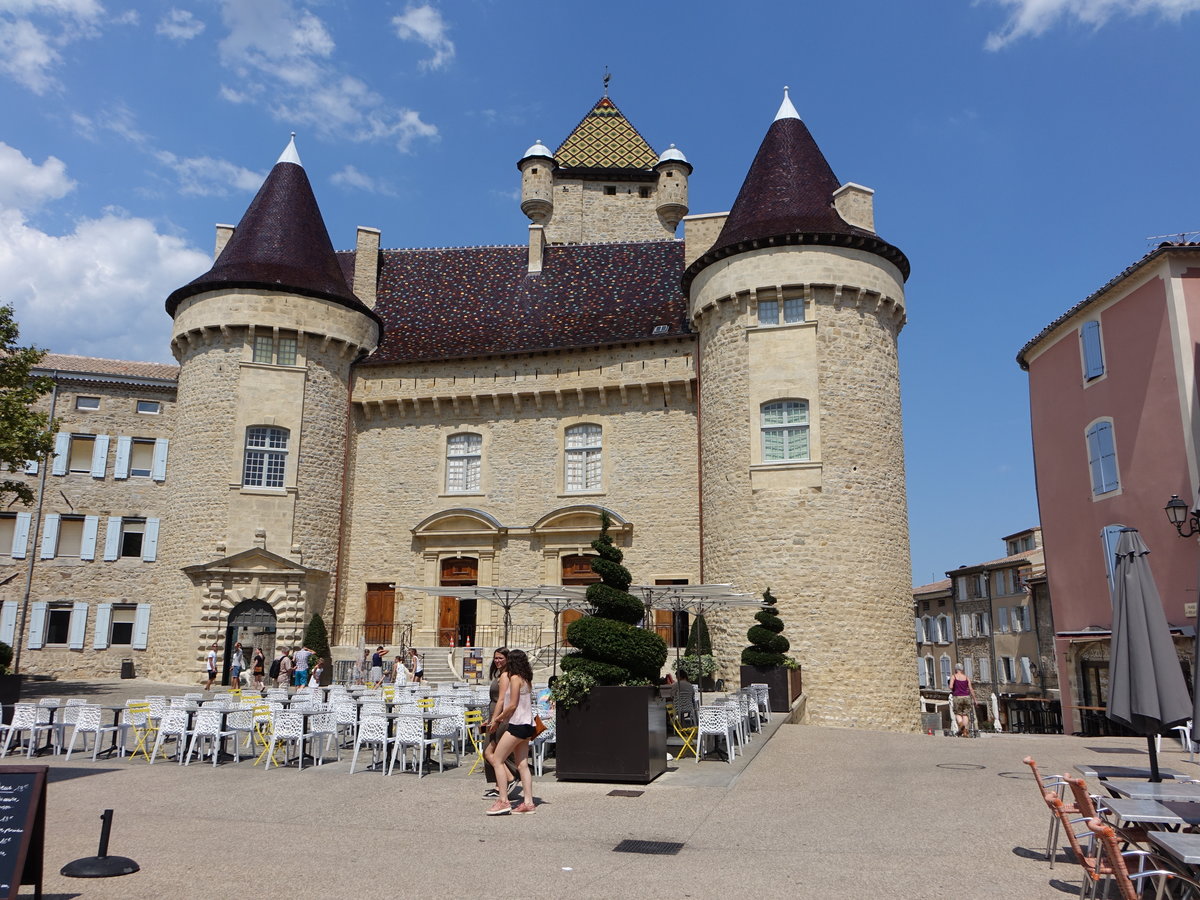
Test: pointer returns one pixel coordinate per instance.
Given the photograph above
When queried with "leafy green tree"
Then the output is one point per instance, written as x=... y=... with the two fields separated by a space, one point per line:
x=611 y=648
x=25 y=434
x=768 y=645
x=316 y=639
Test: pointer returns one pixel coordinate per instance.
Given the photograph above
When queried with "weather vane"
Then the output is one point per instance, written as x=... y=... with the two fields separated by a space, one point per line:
x=607 y=79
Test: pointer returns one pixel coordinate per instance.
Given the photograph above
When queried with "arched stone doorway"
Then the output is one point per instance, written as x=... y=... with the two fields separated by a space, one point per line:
x=253 y=622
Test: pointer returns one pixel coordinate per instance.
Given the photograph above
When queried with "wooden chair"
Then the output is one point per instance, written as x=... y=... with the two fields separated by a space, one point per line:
x=1058 y=785
x=1170 y=885
x=1086 y=806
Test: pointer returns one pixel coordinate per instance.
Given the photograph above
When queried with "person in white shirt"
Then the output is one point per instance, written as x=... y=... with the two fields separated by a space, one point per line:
x=210 y=660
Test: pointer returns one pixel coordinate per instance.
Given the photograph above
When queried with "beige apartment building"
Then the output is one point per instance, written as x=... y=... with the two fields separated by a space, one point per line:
x=344 y=426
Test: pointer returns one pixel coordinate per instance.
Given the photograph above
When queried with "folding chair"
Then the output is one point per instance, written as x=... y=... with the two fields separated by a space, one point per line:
x=137 y=719
x=473 y=729
x=687 y=733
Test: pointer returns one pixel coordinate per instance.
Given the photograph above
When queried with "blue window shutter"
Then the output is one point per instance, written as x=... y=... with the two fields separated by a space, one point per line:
x=158 y=468
x=37 y=624
x=8 y=622
x=20 y=539
x=121 y=464
x=62 y=448
x=1093 y=355
x=50 y=537
x=112 y=539
x=100 y=456
x=1108 y=539
x=1102 y=458
x=150 y=541
x=103 y=618
x=78 y=625
x=141 y=626
x=87 y=546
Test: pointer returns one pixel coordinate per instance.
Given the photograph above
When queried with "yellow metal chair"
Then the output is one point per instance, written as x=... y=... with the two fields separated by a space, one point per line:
x=262 y=734
x=473 y=720
x=687 y=733
x=426 y=703
x=137 y=720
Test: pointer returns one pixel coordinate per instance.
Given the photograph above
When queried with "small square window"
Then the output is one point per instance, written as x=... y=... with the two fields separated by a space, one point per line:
x=533 y=171
x=643 y=192
x=610 y=190
x=264 y=347
x=768 y=312
x=793 y=310
x=141 y=458
x=82 y=447
x=132 y=534
x=149 y=407
x=87 y=402
x=70 y=536
x=121 y=629
x=58 y=624
x=286 y=354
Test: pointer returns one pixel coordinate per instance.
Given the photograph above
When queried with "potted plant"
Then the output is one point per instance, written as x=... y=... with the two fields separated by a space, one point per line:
x=697 y=663
x=765 y=660
x=611 y=721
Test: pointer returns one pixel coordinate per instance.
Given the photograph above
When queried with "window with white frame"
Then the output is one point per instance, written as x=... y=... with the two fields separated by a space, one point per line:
x=1020 y=618
x=131 y=537
x=930 y=629
x=140 y=458
x=982 y=622
x=785 y=431
x=985 y=669
x=1003 y=582
x=947 y=669
x=1091 y=349
x=266 y=457
x=945 y=629
x=87 y=403
x=57 y=624
x=122 y=625
x=463 y=458
x=80 y=454
x=793 y=310
x=1002 y=620
x=964 y=626
x=1008 y=670
x=8 y=531
x=960 y=589
x=70 y=536
x=1102 y=457
x=583 y=457
x=768 y=312
x=930 y=672
x=275 y=349
x=981 y=585
x=149 y=407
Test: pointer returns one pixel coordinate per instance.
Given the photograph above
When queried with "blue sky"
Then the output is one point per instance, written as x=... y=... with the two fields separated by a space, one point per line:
x=1022 y=153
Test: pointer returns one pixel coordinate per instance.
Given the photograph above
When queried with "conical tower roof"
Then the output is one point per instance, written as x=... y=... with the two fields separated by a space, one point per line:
x=605 y=139
x=787 y=198
x=281 y=244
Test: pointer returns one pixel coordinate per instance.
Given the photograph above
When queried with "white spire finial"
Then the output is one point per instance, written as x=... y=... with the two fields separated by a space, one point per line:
x=289 y=154
x=786 y=110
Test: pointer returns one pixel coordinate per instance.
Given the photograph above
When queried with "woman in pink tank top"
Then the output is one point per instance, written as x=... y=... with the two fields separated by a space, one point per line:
x=962 y=693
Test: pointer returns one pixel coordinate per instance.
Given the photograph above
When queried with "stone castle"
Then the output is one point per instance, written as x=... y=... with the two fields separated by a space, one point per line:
x=345 y=424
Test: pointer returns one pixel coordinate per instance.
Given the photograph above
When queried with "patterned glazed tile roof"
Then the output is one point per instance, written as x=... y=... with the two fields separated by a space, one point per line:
x=89 y=365
x=280 y=244
x=787 y=198
x=477 y=301
x=605 y=139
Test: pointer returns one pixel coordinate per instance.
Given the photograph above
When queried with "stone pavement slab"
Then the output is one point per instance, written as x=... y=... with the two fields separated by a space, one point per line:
x=817 y=812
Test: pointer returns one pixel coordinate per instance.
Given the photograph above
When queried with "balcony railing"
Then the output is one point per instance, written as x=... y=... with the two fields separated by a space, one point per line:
x=395 y=636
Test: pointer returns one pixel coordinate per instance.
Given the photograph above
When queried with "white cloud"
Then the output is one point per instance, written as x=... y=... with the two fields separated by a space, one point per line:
x=208 y=177
x=98 y=290
x=24 y=185
x=29 y=49
x=179 y=25
x=281 y=58
x=350 y=177
x=1031 y=18
x=425 y=24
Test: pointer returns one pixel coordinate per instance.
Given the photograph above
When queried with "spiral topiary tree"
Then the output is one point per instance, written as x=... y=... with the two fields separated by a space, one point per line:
x=610 y=647
x=768 y=645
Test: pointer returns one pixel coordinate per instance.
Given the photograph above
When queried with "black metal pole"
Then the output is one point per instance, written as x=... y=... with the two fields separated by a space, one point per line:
x=106 y=818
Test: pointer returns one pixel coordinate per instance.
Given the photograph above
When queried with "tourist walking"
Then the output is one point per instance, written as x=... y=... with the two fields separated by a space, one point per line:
x=400 y=673
x=418 y=666
x=236 y=661
x=377 y=667
x=497 y=682
x=258 y=667
x=962 y=694
x=300 y=662
x=285 y=668
x=210 y=663
x=515 y=710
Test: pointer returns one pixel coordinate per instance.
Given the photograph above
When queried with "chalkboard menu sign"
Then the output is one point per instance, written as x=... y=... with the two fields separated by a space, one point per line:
x=22 y=827
x=472 y=664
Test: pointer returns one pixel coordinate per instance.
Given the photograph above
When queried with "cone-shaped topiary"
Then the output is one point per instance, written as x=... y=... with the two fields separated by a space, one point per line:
x=316 y=639
x=609 y=645
x=699 y=643
x=768 y=644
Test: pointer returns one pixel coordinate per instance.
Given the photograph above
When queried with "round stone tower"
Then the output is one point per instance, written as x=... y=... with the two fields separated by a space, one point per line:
x=265 y=342
x=537 y=183
x=673 y=171
x=798 y=305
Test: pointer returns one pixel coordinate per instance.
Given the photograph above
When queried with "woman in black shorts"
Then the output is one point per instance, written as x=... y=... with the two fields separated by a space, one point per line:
x=516 y=711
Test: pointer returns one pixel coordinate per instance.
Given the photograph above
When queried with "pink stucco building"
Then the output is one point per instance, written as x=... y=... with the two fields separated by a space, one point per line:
x=1112 y=395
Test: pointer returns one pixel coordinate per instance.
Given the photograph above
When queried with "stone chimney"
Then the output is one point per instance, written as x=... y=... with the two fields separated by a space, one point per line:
x=856 y=205
x=366 y=264
x=224 y=233
x=537 y=248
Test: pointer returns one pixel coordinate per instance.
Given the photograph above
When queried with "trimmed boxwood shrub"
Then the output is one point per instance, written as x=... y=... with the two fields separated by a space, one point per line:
x=610 y=647
x=316 y=639
x=768 y=645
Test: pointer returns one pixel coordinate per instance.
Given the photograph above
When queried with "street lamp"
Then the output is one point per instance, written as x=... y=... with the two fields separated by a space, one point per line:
x=1178 y=514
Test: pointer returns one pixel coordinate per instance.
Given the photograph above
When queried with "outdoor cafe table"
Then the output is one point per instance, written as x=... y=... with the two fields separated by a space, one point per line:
x=1103 y=771
x=1163 y=791
x=1184 y=847
x=1170 y=815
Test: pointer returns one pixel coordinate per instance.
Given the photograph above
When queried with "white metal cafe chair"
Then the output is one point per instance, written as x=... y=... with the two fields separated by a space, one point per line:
x=88 y=721
x=541 y=742
x=173 y=724
x=286 y=726
x=717 y=722
x=372 y=731
x=25 y=718
x=67 y=715
x=324 y=725
x=208 y=730
x=410 y=732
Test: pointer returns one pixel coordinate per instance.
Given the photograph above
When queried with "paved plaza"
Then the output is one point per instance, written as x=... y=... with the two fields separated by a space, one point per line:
x=813 y=812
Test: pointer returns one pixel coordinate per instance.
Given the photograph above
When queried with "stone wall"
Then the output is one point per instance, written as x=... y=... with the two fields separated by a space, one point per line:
x=583 y=213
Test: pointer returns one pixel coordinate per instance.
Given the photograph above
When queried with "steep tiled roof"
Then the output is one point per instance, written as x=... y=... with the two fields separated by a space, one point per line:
x=934 y=587
x=787 y=198
x=605 y=139
x=89 y=365
x=472 y=301
x=280 y=244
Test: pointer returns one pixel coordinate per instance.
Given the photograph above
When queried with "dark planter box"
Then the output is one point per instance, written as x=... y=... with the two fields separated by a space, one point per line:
x=615 y=734
x=10 y=693
x=785 y=684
